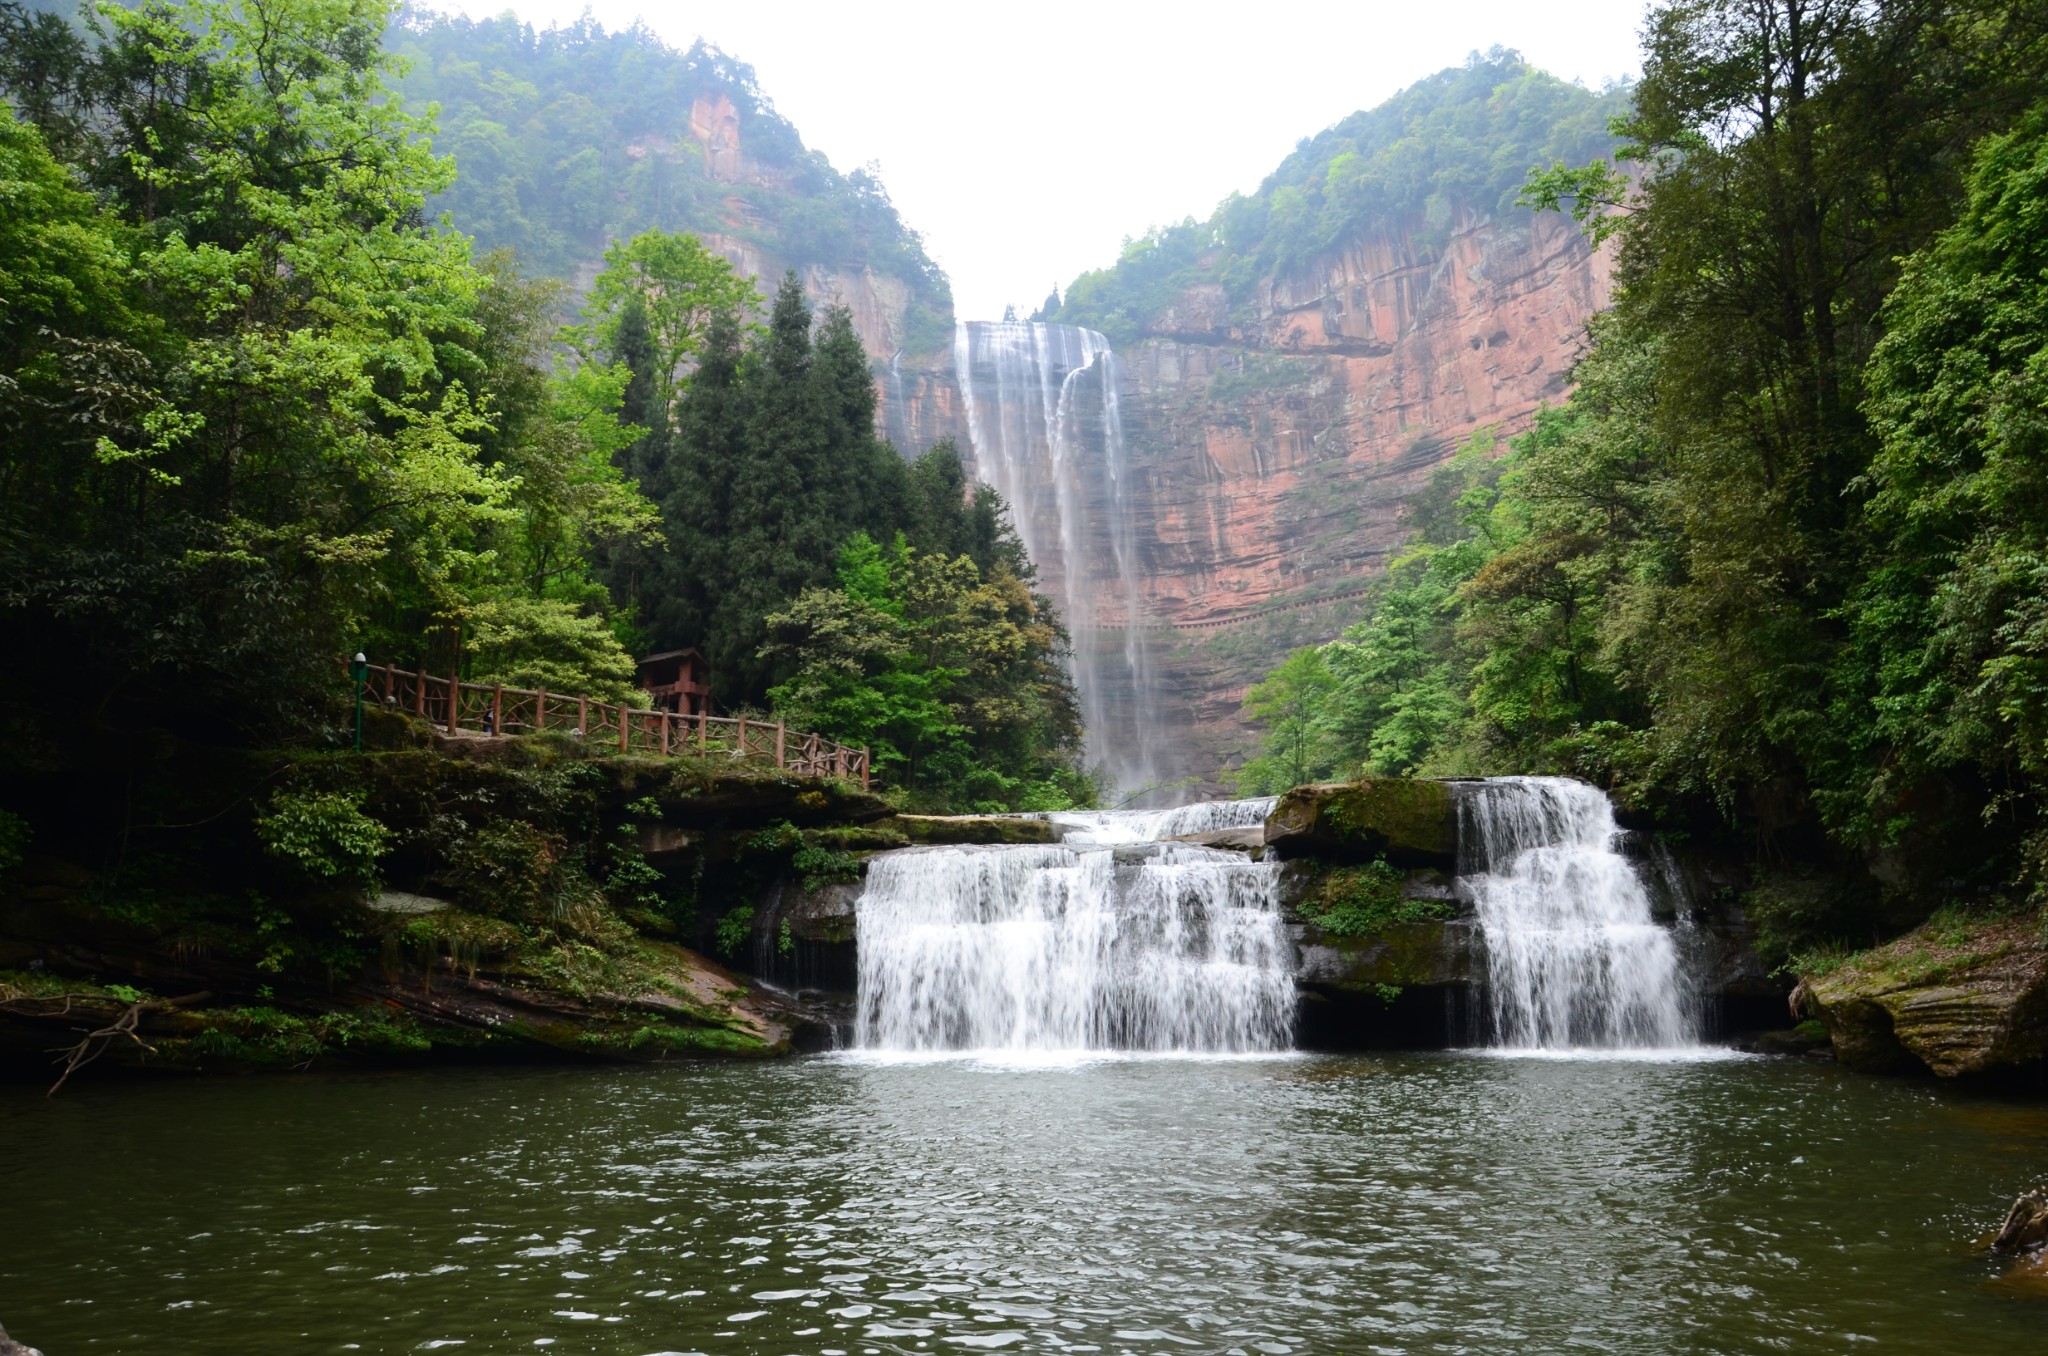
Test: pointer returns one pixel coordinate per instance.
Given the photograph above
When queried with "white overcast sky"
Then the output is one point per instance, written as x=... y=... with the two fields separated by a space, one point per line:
x=1026 y=138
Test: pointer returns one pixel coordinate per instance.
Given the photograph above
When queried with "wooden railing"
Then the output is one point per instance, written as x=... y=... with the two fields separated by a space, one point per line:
x=491 y=709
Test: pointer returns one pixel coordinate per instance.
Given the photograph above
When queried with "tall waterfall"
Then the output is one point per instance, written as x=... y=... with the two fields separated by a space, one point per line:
x=1044 y=415
x=1110 y=940
x=1574 y=958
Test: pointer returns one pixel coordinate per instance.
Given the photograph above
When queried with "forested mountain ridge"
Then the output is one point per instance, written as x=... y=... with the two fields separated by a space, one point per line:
x=568 y=138
x=1447 y=152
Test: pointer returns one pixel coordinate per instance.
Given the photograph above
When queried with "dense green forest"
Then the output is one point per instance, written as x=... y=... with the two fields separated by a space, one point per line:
x=262 y=412
x=1776 y=565
x=571 y=137
x=1457 y=144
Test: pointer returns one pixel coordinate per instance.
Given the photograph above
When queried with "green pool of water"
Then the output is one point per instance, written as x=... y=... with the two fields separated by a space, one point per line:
x=1414 y=1203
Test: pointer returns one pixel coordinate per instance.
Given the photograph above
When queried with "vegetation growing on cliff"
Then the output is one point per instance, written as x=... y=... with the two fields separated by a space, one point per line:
x=258 y=414
x=1776 y=561
x=569 y=138
x=1455 y=146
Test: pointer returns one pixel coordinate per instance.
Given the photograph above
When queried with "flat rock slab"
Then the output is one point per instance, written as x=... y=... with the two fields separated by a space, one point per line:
x=1407 y=820
x=949 y=830
x=1245 y=839
x=398 y=901
x=1959 y=998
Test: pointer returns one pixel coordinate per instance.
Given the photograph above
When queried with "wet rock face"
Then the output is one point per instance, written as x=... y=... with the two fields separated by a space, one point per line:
x=826 y=916
x=1956 y=998
x=2026 y=1225
x=1409 y=821
x=1437 y=953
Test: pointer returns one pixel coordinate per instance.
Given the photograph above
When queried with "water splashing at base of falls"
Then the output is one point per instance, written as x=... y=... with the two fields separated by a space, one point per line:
x=1110 y=941
x=1045 y=420
x=1574 y=957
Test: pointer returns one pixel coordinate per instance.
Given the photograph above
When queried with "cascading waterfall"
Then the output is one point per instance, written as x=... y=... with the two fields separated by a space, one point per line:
x=1045 y=418
x=1110 y=940
x=1574 y=958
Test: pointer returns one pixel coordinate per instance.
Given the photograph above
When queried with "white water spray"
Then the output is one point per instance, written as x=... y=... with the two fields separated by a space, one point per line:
x=1109 y=941
x=1574 y=959
x=1045 y=417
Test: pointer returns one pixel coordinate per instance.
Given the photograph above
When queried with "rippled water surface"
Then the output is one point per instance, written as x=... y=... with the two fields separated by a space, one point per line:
x=1424 y=1203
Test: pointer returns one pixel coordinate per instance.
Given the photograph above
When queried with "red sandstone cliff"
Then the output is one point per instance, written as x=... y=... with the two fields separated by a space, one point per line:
x=1277 y=454
x=880 y=302
x=1273 y=451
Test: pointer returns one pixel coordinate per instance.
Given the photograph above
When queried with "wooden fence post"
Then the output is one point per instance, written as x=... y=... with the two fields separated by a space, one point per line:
x=540 y=710
x=454 y=702
x=742 y=746
x=703 y=730
x=583 y=715
x=867 y=764
x=624 y=737
x=498 y=709
x=664 y=731
x=419 y=694
x=780 y=734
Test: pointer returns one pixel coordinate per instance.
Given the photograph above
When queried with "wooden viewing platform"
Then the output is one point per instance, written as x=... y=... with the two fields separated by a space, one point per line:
x=494 y=710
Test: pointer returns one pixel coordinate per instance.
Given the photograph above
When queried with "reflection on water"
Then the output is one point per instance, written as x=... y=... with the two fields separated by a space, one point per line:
x=1391 y=1204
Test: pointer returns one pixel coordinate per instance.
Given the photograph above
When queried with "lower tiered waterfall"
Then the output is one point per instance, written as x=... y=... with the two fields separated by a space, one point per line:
x=1111 y=940
x=1574 y=958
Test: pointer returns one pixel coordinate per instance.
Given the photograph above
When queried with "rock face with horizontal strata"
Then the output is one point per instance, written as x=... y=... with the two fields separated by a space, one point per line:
x=1958 y=999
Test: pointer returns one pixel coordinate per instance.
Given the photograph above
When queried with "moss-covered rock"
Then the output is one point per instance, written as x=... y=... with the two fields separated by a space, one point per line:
x=1431 y=952
x=1376 y=927
x=1409 y=821
x=973 y=829
x=1957 y=995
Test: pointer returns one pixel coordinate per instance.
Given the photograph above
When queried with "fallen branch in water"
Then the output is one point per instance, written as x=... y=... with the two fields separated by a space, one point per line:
x=95 y=1043
x=77 y=1056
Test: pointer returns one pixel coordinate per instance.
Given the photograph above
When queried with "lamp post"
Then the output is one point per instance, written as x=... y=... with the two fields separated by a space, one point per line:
x=359 y=669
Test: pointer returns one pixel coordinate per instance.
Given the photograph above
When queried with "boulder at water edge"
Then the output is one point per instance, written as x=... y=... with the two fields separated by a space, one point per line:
x=1958 y=997
x=1408 y=821
x=10 y=1347
x=2026 y=1225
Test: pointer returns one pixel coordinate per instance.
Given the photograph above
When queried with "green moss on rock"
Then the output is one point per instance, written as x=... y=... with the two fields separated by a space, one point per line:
x=1409 y=821
x=1958 y=995
x=970 y=829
